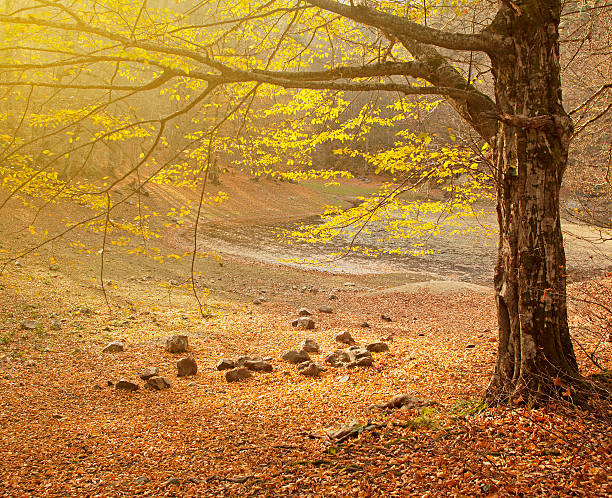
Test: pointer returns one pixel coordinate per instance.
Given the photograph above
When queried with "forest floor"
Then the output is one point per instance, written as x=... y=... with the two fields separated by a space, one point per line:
x=65 y=431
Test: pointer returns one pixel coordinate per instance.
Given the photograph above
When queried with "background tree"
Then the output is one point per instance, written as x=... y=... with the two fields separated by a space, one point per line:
x=221 y=64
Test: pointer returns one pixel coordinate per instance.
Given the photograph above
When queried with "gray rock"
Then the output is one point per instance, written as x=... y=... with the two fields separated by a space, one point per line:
x=142 y=480
x=177 y=344
x=149 y=372
x=296 y=357
x=324 y=308
x=338 y=358
x=309 y=369
x=237 y=374
x=304 y=312
x=186 y=367
x=241 y=361
x=357 y=353
x=113 y=347
x=258 y=366
x=305 y=323
x=225 y=364
x=310 y=346
x=365 y=361
x=30 y=324
x=345 y=338
x=377 y=347
x=126 y=385
x=158 y=383
x=258 y=300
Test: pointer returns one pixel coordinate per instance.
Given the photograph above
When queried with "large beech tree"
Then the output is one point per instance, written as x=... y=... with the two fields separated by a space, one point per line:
x=520 y=114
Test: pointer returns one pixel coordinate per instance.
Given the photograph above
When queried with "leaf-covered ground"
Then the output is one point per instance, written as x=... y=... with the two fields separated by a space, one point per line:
x=65 y=432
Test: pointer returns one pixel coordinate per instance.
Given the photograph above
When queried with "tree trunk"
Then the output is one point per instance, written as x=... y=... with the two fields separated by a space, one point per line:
x=535 y=353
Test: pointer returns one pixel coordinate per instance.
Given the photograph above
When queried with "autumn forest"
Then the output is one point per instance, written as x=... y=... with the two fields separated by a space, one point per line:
x=305 y=248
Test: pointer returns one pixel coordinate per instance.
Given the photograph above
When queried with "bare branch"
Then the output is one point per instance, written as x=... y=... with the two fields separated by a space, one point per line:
x=402 y=28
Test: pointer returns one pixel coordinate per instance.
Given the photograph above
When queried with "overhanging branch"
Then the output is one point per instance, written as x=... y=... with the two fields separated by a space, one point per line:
x=402 y=28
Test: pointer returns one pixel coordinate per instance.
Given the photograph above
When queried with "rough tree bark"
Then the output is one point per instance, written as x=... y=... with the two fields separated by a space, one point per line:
x=531 y=149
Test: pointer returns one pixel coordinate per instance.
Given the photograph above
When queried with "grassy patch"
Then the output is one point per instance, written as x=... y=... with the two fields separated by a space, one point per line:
x=341 y=188
x=468 y=407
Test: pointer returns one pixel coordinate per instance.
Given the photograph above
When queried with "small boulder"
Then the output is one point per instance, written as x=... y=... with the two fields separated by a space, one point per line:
x=310 y=346
x=55 y=324
x=30 y=324
x=158 y=383
x=345 y=338
x=356 y=352
x=296 y=357
x=258 y=366
x=177 y=344
x=237 y=374
x=324 y=308
x=332 y=297
x=364 y=325
x=304 y=312
x=258 y=300
x=305 y=323
x=225 y=364
x=113 y=347
x=377 y=347
x=365 y=361
x=149 y=372
x=385 y=318
x=337 y=358
x=241 y=361
x=186 y=367
x=126 y=385
x=309 y=369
